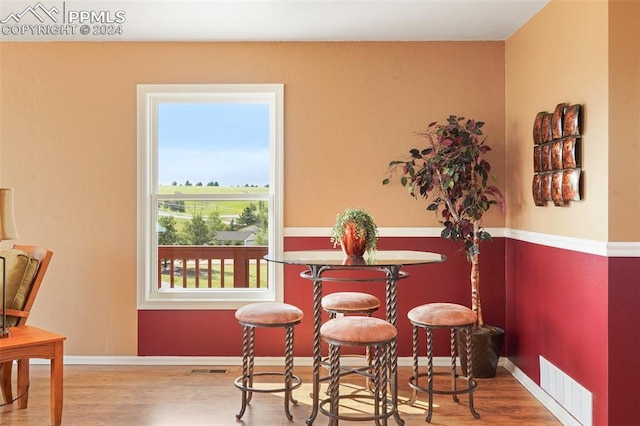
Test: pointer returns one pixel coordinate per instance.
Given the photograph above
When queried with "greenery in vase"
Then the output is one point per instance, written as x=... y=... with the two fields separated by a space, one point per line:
x=365 y=227
x=451 y=174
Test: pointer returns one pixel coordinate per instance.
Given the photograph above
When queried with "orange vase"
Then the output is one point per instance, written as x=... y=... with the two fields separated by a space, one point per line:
x=352 y=244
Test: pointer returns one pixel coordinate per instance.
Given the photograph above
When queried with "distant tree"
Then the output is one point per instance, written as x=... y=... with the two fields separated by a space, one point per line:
x=262 y=236
x=199 y=184
x=187 y=183
x=248 y=216
x=210 y=183
x=196 y=231
x=169 y=235
x=215 y=224
x=174 y=183
x=216 y=183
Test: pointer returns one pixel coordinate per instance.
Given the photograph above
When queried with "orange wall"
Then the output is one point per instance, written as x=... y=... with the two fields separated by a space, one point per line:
x=68 y=132
x=624 y=120
x=560 y=55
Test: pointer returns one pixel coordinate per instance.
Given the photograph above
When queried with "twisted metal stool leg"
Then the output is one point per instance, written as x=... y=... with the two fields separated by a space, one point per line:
x=247 y=368
x=378 y=383
x=334 y=383
x=384 y=352
x=430 y=372
x=470 y=375
x=454 y=387
x=288 y=371
x=414 y=377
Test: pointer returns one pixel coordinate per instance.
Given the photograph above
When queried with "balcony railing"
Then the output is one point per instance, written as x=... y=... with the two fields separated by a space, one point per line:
x=212 y=267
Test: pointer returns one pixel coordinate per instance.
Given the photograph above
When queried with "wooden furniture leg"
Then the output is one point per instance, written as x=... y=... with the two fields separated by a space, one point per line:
x=56 y=384
x=23 y=382
x=5 y=381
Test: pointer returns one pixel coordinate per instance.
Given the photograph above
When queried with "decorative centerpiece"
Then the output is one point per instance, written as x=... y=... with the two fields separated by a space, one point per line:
x=355 y=231
x=452 y=176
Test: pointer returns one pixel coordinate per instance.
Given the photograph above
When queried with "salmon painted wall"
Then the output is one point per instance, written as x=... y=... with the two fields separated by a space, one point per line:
x=68 y=115
x=624 y=120
x=552 y=59
x=568 y=305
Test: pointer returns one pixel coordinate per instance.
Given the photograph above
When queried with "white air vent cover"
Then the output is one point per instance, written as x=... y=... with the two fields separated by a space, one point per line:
x=570 y=394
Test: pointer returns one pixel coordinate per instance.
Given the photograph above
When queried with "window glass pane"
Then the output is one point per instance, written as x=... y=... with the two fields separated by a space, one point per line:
x=213 y=143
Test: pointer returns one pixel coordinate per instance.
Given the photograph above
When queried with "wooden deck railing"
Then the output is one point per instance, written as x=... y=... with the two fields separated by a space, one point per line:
x=212 y=267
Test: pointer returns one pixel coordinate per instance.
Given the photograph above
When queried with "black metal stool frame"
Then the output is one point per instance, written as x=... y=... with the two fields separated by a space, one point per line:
x=245 y=382
x=429 y=390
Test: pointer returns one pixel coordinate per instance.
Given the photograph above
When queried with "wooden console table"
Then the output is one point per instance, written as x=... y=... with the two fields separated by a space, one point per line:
x=27 y=342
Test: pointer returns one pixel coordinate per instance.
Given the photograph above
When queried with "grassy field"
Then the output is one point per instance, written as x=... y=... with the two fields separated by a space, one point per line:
x=226 y=209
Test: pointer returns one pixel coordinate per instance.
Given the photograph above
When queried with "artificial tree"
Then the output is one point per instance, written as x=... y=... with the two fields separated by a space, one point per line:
x=453 y=176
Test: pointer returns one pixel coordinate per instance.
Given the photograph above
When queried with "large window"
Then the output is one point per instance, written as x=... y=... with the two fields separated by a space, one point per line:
x=209 y=195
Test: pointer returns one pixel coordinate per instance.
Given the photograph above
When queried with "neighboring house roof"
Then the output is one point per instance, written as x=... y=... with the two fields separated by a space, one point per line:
x=234 y=235
x=250 y=228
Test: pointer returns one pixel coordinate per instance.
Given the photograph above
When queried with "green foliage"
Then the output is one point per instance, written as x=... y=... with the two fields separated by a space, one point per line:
x=451 y=174
x=169 y=236
x=215 y=224
x=248 y=216
x=365 y=227
x=196 y=231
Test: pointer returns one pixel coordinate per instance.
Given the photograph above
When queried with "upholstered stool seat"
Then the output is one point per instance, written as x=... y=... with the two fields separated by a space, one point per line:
x=267 y=314
x=361 y=331
x=442 y=316
x=350 y=302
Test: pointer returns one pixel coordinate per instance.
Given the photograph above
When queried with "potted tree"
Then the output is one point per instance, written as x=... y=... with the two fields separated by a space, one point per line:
x=453 y=177
x=355 y=231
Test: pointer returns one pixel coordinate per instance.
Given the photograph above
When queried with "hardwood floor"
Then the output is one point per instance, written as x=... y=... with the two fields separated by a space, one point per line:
x=176 y=395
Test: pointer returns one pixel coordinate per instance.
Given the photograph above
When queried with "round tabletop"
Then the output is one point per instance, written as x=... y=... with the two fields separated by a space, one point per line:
x=379 y=258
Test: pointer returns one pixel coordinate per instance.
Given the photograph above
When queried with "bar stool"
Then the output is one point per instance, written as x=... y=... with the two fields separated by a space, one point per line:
x=351 y=303
x=361 y=331
x=449 y=316
x=267 y=314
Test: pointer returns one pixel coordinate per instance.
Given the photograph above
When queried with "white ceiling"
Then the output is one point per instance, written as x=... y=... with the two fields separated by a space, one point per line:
x=288 y=20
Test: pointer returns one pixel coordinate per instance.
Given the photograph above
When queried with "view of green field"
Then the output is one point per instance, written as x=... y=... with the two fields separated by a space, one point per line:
x=227 y=208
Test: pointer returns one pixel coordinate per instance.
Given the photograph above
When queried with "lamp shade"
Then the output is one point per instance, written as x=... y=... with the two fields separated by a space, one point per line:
x=8 y=230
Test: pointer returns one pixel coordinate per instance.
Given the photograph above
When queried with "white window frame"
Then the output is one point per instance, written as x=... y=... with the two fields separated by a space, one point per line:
x=149 y=97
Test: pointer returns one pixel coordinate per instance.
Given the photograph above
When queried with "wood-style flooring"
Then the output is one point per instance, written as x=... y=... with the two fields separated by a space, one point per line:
x=191 y=396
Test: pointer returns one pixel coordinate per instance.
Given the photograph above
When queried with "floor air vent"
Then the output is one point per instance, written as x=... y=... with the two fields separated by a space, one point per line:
x=209 y=371
x=573 y=397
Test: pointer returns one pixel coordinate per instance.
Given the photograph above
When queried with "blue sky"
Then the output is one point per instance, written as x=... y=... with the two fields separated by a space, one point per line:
x=204 y=142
